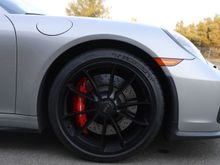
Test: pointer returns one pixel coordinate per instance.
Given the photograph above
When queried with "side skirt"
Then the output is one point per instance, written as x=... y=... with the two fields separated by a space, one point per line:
x=18 y=121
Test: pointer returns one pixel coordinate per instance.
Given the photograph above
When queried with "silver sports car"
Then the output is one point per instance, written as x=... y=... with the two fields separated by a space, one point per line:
x=106 y=88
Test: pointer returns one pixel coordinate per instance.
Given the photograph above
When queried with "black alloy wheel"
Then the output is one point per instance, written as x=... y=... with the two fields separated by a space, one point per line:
x=122 y=105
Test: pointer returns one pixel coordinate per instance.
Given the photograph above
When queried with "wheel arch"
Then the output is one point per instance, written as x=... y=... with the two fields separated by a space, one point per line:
x=167 y=84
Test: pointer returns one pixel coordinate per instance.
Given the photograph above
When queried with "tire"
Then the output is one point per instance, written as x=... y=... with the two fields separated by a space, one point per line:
x=123 y=105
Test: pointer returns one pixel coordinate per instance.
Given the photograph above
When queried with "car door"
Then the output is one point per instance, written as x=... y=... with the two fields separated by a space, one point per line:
x=7 y=66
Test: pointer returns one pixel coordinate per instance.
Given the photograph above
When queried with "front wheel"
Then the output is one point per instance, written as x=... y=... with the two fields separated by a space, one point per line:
x=105 y=105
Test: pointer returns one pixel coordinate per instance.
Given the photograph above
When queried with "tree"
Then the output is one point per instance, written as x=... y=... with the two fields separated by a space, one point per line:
x=180 y=28
x=189 y=32
x=205 y=34
x=88 y=8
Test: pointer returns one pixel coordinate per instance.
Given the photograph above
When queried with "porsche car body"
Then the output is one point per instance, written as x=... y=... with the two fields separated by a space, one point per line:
x=34 y=48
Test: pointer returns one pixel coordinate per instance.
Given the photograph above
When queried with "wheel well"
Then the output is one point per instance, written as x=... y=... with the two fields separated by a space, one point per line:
x=166 y=83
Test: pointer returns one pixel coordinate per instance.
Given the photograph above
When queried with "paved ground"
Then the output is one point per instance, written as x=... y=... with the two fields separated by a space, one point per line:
x=34 y=149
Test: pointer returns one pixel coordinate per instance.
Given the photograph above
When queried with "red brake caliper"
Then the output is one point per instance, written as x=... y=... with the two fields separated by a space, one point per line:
x=79 y=104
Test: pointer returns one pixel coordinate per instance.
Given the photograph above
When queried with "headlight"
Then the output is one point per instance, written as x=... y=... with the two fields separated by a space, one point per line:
x=185 y=44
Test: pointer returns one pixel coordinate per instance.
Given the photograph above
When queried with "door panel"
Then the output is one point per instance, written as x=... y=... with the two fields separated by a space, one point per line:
x=7 y=66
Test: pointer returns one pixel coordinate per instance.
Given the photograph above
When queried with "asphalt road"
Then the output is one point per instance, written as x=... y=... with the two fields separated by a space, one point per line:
x=34 y=149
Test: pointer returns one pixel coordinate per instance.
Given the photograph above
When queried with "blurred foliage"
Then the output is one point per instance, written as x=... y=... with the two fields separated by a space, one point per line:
x=205 y=35
x=88 y=8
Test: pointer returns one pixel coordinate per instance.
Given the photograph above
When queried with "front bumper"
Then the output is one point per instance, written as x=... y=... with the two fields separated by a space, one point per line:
x=198 y=91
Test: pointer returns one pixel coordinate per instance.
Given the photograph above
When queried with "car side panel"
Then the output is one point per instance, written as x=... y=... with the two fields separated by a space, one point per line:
x=7 y=66
x=195 y=81
x=36 y=51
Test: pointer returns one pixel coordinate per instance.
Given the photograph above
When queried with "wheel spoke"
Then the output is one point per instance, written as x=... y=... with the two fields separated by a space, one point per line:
x=118 y=131
x=104 y=127
x=93 y=83
x=125 y=85
x=145 y=123
x=88 y=123
x=130 y=104
x=72 y=114
x=72 y=89
x=111 y=81
x=130 y=113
